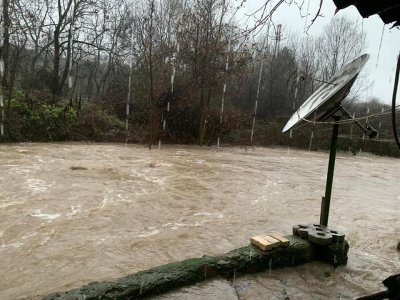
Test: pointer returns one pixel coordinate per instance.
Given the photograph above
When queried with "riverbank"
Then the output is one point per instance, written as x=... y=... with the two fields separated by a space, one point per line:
x=35 y=120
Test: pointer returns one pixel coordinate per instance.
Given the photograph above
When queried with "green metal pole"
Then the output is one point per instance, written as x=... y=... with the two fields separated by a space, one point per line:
x=326 y=201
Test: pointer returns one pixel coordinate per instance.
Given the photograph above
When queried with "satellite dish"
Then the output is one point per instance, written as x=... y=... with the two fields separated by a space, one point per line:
x=324 y=103
x=327 y=99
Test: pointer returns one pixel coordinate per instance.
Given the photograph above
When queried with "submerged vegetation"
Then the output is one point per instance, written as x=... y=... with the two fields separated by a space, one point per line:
x=176 y=71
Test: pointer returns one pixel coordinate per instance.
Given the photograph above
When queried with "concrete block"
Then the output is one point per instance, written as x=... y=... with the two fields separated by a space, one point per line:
x=295 y=229
x=318 y=234
x=320 y=237
x=337 y=236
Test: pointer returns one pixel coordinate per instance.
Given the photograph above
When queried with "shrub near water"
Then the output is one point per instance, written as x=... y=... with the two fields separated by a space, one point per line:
x=34 y=119
x=96 y=124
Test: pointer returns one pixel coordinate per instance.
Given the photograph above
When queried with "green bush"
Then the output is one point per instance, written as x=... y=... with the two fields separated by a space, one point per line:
x=31 y=118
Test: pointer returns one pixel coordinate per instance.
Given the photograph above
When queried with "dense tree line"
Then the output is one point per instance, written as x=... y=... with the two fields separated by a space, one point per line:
x=71 y=64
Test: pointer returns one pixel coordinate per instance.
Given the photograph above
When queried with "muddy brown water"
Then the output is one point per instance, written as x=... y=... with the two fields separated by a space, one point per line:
x=75 y=213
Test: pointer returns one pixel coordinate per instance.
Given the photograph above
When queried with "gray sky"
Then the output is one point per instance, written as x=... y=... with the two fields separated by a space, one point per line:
x=381 y=75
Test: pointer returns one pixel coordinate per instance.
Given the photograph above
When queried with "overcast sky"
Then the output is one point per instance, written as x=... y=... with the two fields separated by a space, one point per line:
x=381 y=75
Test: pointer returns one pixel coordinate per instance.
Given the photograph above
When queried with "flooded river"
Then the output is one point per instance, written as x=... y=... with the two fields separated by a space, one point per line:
x=75 y=213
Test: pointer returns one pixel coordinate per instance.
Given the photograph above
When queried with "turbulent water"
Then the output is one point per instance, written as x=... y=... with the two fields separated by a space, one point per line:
x=75 y=213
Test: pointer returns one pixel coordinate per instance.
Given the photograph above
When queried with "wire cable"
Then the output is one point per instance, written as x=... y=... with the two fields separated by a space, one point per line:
x=385 y=112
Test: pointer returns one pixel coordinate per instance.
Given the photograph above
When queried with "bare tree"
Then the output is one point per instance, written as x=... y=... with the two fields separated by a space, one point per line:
x=342 y=40
x=146 y=36
x=204 y=43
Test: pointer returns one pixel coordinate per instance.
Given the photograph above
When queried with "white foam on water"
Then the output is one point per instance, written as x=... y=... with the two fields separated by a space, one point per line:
x=10 y=203
x=14 y=245
x=182 y=152
x=150 y=233
x=200 y=161
x=107 y=200
x=176 y=225
x=45 y=241
x=48 y=217
x=28 y=236
x=74 y=210
x=141 y=193
x=217 y=215
x=162 y=163
x=155 y=179
x=173 y=226
x=102 y=239
x=195 y=224
x=112 y=197
x=22 y=151
x=36 y=185
x=198 y=223
x=147 y=178
x=123 y=199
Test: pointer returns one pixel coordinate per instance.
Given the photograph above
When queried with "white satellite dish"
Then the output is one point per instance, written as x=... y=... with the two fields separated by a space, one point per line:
x=327 y=99
x=324 y=103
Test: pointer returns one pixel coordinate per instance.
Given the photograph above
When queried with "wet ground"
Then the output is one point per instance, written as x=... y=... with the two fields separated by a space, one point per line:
x=75 y=213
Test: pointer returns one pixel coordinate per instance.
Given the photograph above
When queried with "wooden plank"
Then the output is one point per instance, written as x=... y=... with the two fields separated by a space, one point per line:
x=260 y=242
x=274 y=242
x=264 y=242
x=284 y=241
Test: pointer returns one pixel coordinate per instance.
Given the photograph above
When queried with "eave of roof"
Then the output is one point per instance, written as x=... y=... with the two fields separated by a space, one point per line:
x=388 y=10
